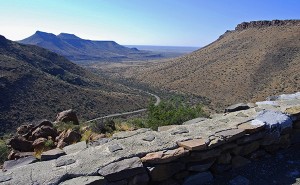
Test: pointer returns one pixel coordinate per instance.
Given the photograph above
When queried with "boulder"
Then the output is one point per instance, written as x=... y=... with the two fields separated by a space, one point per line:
x=69 y=137
x=24 y=129
x=39 y=143
x=67 y=116
x=237 y=107
x=44 y=132
x=19 y=143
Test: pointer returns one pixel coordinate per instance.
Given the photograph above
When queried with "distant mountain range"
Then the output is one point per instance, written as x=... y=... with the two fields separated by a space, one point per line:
x=257 y=59
x=77 y=49
x=36 y=84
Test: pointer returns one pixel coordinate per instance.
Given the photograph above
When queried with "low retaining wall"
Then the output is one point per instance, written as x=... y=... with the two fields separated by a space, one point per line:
x=192 y=153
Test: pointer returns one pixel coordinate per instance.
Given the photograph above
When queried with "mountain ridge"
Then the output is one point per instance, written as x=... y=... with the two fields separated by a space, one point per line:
x=36 y=83
x=240 y=66
x=78 y=49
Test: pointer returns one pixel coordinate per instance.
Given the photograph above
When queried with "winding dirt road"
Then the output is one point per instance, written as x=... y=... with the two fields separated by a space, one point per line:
x=158 y=100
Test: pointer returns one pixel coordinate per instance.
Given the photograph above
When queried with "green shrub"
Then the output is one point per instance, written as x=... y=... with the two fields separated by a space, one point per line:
x=172 y=112
x=4 y=151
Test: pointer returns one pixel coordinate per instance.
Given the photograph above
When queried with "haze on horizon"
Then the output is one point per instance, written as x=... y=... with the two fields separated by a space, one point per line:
x=138 y=22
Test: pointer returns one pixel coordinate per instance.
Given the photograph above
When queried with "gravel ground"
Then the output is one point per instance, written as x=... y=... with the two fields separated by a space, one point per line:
x=282 y=168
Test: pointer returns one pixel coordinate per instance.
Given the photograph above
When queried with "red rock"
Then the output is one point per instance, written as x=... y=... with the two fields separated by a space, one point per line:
x=19 y=143
x=194 y=144
x=164 y=156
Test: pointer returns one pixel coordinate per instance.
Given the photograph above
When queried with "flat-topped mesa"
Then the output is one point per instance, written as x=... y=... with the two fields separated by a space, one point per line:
x=263 y=24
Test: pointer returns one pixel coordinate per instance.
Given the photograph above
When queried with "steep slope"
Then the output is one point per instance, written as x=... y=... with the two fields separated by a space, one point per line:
x=257 y=59
x=76 y=49
x=36 y=84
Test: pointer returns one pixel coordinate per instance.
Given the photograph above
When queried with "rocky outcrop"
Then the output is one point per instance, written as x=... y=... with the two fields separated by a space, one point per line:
x=183 y=154
x=263 y=24
x=42 y=136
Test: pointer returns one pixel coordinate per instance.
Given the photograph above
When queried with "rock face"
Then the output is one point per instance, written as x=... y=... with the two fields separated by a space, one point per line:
x=182 y=154
x=67 y=116
x=262 y=24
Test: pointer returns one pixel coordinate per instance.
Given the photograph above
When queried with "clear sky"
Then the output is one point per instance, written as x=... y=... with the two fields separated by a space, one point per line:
x=143 y=22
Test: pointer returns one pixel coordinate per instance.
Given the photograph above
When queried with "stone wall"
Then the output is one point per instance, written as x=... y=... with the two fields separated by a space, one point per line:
x=192 y=153
x=262 y=24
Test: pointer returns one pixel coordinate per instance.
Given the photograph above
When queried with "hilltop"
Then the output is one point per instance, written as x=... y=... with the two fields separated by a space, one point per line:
x=78 y=49
x=36 y=83
x=257 y=59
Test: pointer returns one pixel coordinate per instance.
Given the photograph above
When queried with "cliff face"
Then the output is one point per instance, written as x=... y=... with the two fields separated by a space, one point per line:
x=262 y=24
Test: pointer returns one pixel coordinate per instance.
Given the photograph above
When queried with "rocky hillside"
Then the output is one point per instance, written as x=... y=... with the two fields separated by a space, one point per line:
x=36 y=83
x=255 y=60
x=77 y=49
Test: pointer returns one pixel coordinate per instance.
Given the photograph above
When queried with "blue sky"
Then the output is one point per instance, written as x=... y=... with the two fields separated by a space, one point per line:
x=144 y=22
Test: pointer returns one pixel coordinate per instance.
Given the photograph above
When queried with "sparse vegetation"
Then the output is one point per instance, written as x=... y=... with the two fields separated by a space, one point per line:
x=4 y=151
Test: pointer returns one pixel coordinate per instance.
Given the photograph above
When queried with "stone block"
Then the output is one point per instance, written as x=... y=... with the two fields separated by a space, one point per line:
x=239 y=161
x=246 y=149
x=122 y=169
x=199 y=179
x=52 y=154
x=85 y=180
x=224 y=158
x=203 y=155
x=200 y=166
x=140 y=179
x=194 y=144
x=250 y=138
x=251 y=128
x=165 y=171
x=75 y=147
x=232 y=134
x=164 y=156
x=228 y=146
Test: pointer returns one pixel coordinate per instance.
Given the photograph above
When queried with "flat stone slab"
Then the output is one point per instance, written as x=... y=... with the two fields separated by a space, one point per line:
x=86 y=180
x=52 y=154
x=77 y=147
x=122 y=169
x=194 y=144
x=237 y=107
x=273 y=120
x=8 y=165
x=164 y=156
x=251 y=128
x=232 y=134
